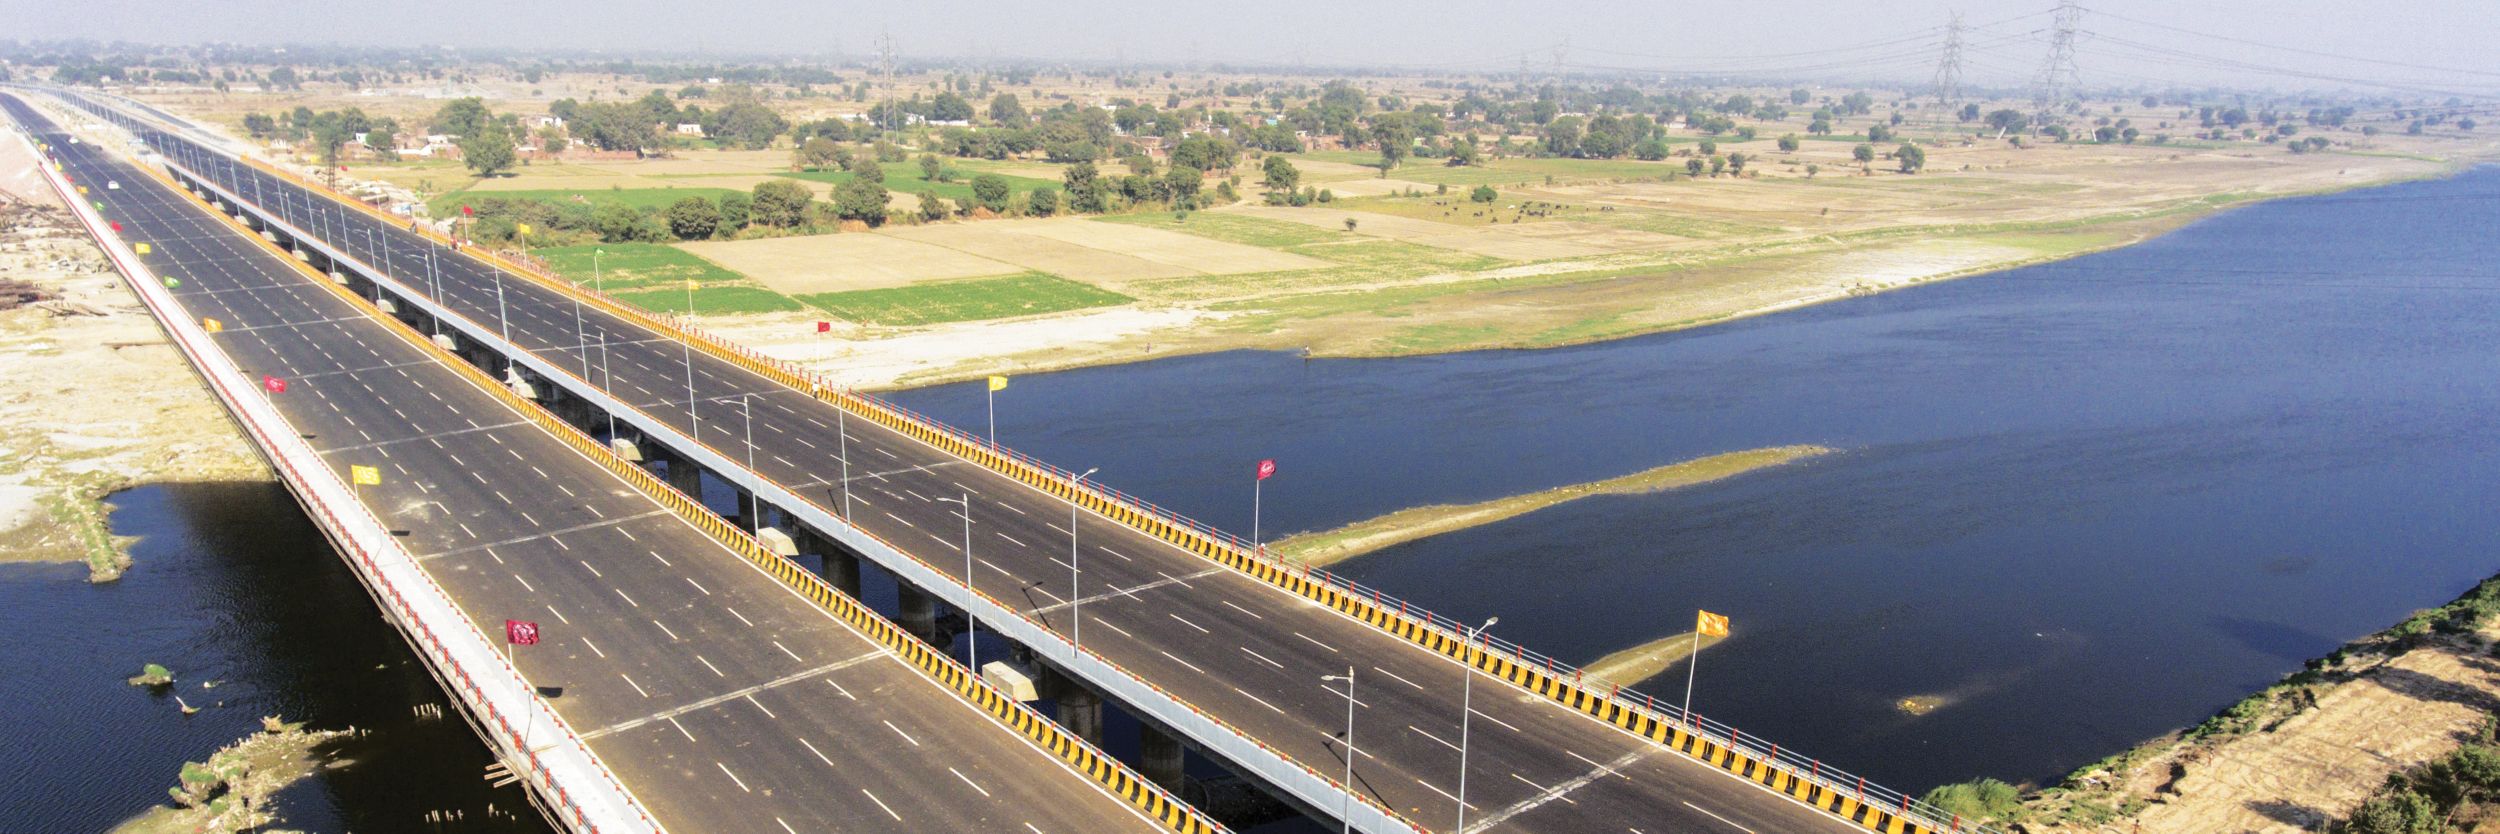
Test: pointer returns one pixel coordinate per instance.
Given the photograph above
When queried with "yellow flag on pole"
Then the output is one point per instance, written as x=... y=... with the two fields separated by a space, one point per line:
x=523 y=228
x=143 y=248
x=1711 y=625
x=998 y=383
x=365 y=475
x=212 y=325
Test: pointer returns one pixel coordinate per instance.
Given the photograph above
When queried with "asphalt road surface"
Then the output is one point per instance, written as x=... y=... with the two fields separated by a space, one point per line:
x=1249 y=653
x=723 y=700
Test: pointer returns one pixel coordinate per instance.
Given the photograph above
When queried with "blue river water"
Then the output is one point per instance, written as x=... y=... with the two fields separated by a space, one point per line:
x=237 y=593
x=2079 y=504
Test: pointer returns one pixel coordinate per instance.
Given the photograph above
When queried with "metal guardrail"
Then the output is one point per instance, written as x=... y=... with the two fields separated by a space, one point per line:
x=361 y=536
x=1807 y=769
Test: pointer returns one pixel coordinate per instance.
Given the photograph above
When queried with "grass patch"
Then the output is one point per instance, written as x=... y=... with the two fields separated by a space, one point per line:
x=448 y=205
x=1332 y=546
x=1501 y=172
x=711 y=300
x=1031 y=293
x=633 y=266
x=904 y=177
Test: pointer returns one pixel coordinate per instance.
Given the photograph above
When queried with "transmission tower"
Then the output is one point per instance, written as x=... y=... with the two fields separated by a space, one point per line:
x=1561 y=51
x=885 y=64
x=2058 y=76
x=1949 y=65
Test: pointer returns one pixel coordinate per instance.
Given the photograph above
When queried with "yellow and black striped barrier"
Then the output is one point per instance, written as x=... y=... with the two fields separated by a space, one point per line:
x=936 y=665
x=1849 y=802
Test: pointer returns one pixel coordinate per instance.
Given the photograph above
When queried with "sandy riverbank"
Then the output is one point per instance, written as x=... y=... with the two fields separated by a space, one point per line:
x=93 y=399
x=2305 y=751
x=1333 y=546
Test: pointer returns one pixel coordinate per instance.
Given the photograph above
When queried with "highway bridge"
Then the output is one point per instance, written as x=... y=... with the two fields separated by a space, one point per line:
x=1209 y=643
x=678 y=683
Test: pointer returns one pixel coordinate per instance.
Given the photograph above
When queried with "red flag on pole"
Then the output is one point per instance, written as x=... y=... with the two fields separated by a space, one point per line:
x=824 y=327
x=1267 y=468
x=274 y=384
x=520 y=632
x=467 y=210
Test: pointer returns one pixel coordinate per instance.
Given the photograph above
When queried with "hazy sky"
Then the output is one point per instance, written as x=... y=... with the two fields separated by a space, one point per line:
x=1802 y=37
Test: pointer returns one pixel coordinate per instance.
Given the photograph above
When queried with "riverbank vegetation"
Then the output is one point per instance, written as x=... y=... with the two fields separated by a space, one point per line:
x=232 y=790
x=1333 y=546
x=2390 y=733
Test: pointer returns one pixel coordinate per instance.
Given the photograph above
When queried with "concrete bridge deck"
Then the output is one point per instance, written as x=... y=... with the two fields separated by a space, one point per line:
x=1238 y=645
x=723 y=699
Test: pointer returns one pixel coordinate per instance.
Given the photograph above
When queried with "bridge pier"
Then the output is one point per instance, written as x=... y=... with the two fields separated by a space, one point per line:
x=1080 y=710
x=1159 y=757
x=919 y=612
x=685 y=476
x=841 y=568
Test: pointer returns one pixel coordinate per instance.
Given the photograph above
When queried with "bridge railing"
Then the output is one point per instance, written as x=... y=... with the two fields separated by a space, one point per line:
x=361 y=535
x=1837 y=781
x=554 y=371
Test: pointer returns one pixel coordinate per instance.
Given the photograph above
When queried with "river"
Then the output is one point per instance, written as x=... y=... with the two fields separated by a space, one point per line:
x=231 y=585
x=2082 y=503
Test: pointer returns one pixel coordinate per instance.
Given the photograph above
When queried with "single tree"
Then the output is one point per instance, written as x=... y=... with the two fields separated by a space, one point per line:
x=991 y=190
x=1863 y=152
x=867 y=169
x=1912 y=158
x=1349 y=224
x=932 y=209
x=1693 y=166
x=781 y=203
x=1278 y=174
x=487 y=150
x=860 y=200
x=1788 y=143
x=1483 y=194
x=931 y=168
x=1043 y=202
x=693 y=218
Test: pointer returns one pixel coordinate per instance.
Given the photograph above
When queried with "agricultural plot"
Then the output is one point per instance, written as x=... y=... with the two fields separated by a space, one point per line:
x=811 y=264
x=448 y=205
x=904 y=178
x=1031 y=293
x=712 y=301
x=633 y=266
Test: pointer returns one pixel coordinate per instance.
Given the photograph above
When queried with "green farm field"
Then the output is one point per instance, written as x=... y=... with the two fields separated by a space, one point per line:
x=1031 y=293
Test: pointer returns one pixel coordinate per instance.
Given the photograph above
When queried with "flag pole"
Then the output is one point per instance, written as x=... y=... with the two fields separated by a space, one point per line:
x=993 y=389
x=1692 y=666
x=1257 y=485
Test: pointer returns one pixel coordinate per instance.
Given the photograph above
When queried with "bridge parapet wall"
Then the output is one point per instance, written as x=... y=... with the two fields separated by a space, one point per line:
x=1870 y=805
x=580 y=793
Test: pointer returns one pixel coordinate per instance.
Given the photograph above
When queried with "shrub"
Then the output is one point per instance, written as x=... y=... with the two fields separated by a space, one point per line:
x=1985 y=799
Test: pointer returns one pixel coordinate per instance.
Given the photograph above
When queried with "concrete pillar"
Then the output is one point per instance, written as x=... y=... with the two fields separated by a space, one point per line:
x=842 y=569
x=685 y=476
x=919 y=612
x=1080 y=710
x=1159 y=757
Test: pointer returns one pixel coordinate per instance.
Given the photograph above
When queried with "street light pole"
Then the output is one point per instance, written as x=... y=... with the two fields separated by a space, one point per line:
x=1345 y=806
x=755 y=510
x=607 y=382
x=1467 y=711
x=972 y=627
x=1076 y=591
x=842 y=439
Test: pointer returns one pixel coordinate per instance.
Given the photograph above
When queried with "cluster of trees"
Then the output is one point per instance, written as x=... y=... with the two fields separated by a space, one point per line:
x=326 y=132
